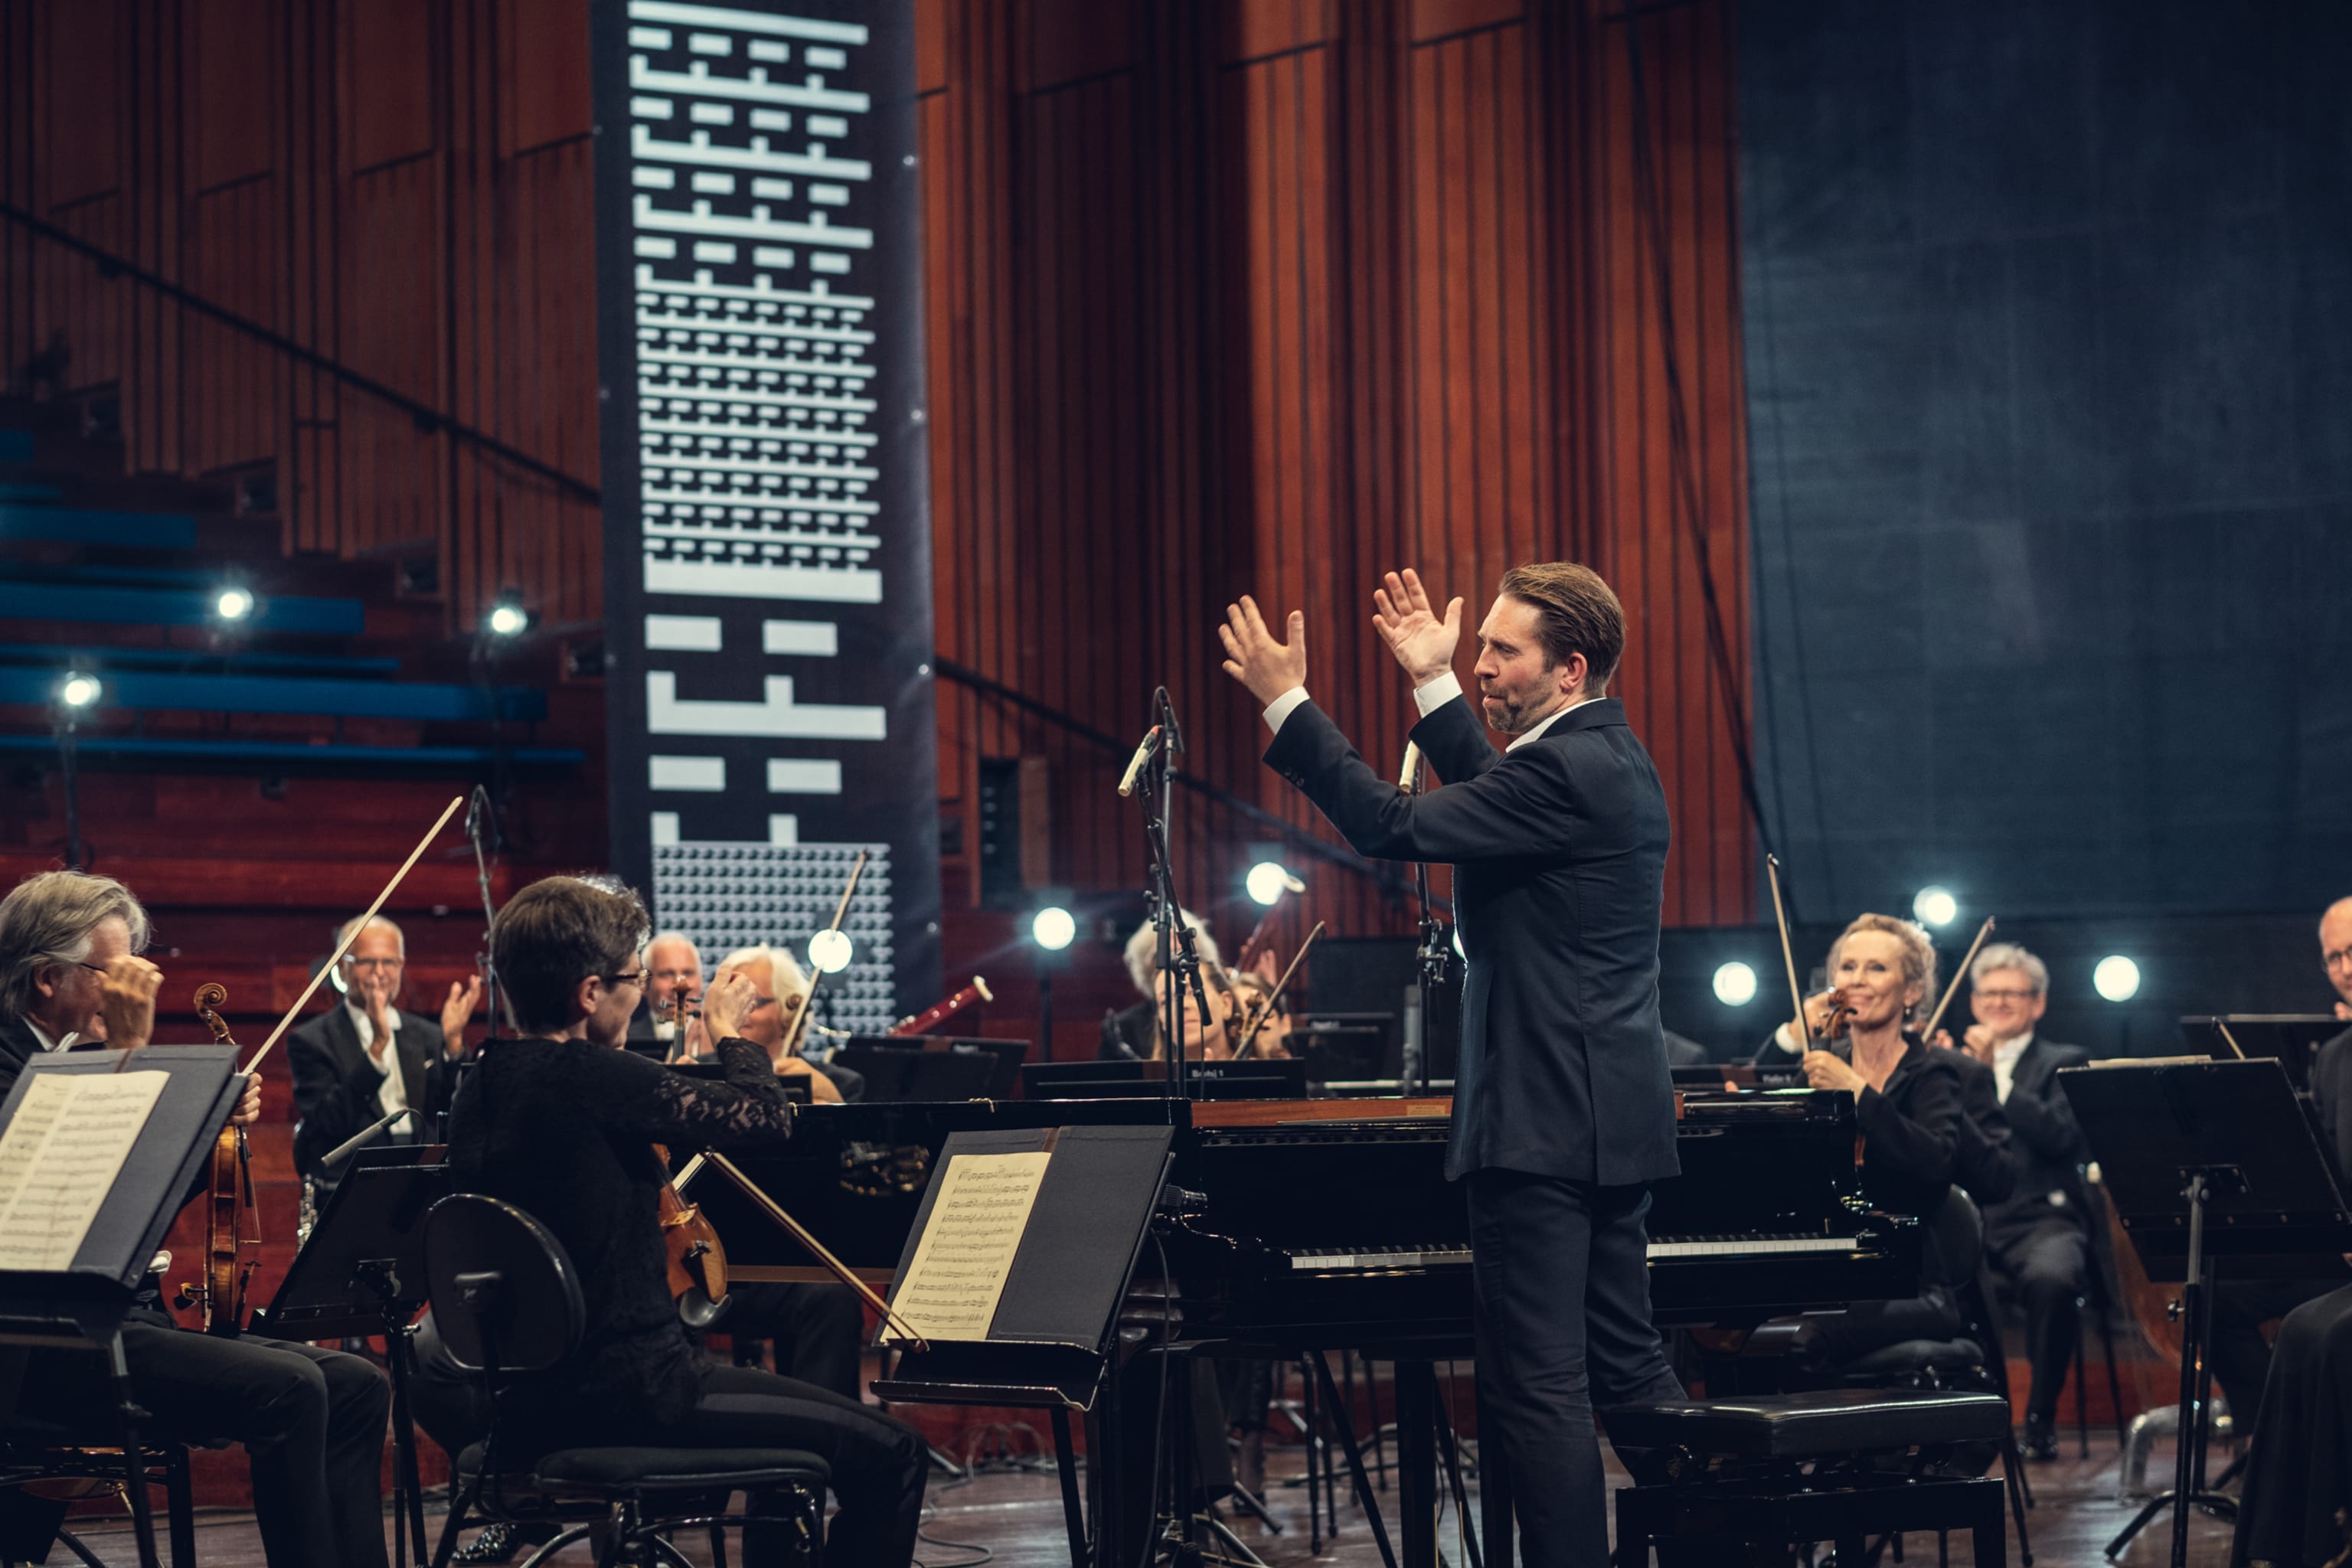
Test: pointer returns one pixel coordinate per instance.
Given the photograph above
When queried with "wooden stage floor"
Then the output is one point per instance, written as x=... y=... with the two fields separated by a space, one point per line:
x=1015 y=1518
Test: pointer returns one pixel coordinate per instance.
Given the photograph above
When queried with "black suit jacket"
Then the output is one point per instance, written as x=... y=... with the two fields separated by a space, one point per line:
x=1988 y=1161
x=1559 y=851
x=335 y=1083
x=18 y=1047
x=2331 y=1099
x=2049 y=1144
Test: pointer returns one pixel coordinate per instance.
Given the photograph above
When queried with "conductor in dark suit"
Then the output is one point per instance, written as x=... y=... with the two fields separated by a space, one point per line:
x=365 y=1057
x=1563 y=1108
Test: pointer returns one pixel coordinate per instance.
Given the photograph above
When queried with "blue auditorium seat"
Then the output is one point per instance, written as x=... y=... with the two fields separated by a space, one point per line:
x=121 y=530
x=290 y=754
x=417 y=701
x=16 y=446
x=175 y=607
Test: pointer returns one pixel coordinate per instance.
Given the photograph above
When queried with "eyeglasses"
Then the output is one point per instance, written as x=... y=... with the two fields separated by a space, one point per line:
x=374 y=963
x=2007 y=996
x=94 y=968
x=2339 y=958
x=633 y=977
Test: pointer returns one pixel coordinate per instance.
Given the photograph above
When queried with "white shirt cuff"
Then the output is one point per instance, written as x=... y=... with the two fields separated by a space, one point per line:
x=1284 y=706
x=1429 y=699
x=1785 y=1036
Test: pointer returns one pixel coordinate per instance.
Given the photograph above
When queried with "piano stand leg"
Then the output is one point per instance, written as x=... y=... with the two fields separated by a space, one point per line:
x=1345 y=1421
x=1066 y=1464
x=1451 y=1452
x=1416 y=1460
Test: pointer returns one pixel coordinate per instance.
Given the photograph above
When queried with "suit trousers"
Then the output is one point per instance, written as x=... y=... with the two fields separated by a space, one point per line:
x=312 y=1422
x=819 y=1330
x=2240 y=1356
x=2049 y=1265
x=1561 y=1277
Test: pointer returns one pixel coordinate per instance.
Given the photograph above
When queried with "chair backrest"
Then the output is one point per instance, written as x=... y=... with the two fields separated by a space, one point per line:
x=1954 y=1242
x=505 y=1295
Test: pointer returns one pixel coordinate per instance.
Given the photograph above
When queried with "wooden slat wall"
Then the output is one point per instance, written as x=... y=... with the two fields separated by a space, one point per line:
x=1275 y=295
x=401 y=187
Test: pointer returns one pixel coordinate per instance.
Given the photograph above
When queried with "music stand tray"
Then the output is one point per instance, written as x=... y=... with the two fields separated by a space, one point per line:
x=2206 y=1160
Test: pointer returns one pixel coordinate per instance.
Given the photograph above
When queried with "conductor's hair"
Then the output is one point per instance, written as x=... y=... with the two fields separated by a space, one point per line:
x=554 y=934
x=1576 y=612
x=47 y=919
x=1918 y=952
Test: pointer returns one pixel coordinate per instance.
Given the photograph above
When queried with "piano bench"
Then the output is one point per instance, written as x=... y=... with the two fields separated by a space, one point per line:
x=1749 y=1479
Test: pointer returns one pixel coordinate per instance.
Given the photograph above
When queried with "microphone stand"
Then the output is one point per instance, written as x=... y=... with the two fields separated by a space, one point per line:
x=1178 y=955
x=361 y=1139
x=1432 y=957
x=481 y=813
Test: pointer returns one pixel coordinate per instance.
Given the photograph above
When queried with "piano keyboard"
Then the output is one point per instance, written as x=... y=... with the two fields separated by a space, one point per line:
x=1740 y=1245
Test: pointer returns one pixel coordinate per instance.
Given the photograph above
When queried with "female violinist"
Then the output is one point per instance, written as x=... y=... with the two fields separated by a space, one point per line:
x=563 y=1125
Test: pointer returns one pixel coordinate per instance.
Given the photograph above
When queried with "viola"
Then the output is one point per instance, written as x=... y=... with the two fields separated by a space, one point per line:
x=923 y=1023
x=697 y=1263
x=232 y=1220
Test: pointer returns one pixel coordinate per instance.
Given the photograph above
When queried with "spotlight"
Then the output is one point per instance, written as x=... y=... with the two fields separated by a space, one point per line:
x=2117 y=978
x=1269 y=880
x=1459 y=951
x=1735 y=984
x=507 y=618
x=1052 y=928
x=830 y=950
x=79 y=690
x=1935 y=906
x=234 y=603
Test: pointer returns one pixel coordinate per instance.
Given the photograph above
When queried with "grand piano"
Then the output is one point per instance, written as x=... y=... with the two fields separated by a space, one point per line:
x=1293 y=1226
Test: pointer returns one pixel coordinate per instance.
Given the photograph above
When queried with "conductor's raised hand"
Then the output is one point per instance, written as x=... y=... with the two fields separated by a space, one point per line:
x=1422 y=640
x=1267 y=667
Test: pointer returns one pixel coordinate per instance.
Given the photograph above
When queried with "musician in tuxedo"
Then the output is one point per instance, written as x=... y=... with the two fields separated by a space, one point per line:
x=660 y=1027
x=2037 y=1241
x=1563 y=1108
x=311 y=1420
x=368 y=1057
x=1135 y=1031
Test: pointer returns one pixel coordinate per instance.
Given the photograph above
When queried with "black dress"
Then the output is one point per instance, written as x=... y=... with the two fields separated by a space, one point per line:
x=2299 y=1468
x=564 y=1129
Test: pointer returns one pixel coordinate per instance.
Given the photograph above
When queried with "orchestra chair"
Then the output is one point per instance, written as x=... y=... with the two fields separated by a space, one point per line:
x=33 y=1450
x=507 y=1302
x=1750 y=1480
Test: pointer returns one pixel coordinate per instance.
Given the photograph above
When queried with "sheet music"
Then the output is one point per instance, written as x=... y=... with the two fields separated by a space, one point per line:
x=59 y=1157
x=950 y=1289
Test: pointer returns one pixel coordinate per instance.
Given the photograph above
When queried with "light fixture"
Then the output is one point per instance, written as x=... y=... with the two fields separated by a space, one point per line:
x=830 y=950
x=1461 y=952
x=1269 y=880
x=507 y=618
x=233 y=603
x=1052 y=928
x=79 y=690
x=1935 y=906
x=2117 y=978
x=1734 y=984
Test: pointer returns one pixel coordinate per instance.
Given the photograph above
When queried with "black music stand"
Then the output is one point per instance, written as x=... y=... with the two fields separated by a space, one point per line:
x=362 y=1272
x=83 y=1306
x=2295 y=1039
x=2206 y=1161
x=1052 y=1337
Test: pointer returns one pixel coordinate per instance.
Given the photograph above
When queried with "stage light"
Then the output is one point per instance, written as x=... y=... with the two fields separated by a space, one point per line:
x=234 y=603
x=2117 y=978
x=79 y=690
x=507 y=618
x=1269 y=880
x=829 y=951
x=1735 y=984
x=1935 y=906
x=1459 y=951
x=1052 y=928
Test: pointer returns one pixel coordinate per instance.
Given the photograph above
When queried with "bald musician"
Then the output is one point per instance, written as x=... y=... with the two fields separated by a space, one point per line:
x=1563 y=1108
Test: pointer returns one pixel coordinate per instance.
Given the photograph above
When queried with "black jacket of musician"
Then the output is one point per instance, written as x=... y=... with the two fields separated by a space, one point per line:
x=1559 y=851
x=336 y=1082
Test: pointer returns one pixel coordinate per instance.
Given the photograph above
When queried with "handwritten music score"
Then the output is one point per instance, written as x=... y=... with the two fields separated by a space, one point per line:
x=950 y=1289
x=59 y=1158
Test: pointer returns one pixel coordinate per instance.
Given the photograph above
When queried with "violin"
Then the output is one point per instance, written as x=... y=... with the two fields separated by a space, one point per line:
x=1841 y=1013
x=697 y=1263
x=938 y=1012
x=232 y=1219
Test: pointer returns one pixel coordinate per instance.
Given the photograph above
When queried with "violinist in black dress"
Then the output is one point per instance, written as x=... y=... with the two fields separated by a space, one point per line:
x=563 y=1125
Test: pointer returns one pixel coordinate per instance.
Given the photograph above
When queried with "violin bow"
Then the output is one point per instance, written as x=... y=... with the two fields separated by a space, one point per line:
x=351 y=935
x=1958 y=974
x=775 y=1211
x=1788 y=957
x=1265 y=1011
x=798 y=1034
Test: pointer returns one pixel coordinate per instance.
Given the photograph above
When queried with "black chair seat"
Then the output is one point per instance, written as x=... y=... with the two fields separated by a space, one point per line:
x=1809 y=1426
x=665 y=1470
x=1914 y=1356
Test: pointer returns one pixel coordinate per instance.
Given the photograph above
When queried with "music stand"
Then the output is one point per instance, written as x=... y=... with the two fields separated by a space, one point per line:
x=2205 y=1160
x=2295 y=1039
x=83 y=1305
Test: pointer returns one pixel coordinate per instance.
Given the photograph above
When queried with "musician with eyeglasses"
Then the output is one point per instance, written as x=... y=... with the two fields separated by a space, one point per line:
x=368 y=1057
x=563 y=1123
x=664 y=1027
x=311 y=1420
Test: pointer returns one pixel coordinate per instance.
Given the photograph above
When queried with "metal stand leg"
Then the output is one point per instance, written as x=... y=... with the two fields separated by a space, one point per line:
x=1065 y=1462
x=180 y=1508
x=1345 y=1421
x=1451 y=1452
x=134 y=1468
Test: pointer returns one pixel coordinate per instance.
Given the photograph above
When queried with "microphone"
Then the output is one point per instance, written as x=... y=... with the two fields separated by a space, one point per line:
x=1143 y=749
x=1412 y=766
x=353 y=1145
